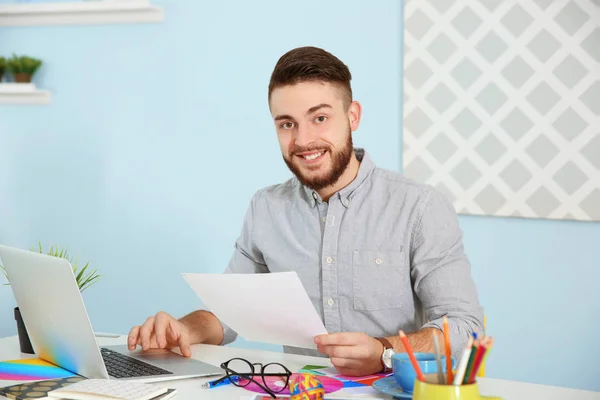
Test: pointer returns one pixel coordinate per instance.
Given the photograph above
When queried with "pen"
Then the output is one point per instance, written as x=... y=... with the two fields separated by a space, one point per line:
x=220 y=382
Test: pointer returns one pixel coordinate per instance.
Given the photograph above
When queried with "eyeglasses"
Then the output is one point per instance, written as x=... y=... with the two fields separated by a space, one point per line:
x=274 y=376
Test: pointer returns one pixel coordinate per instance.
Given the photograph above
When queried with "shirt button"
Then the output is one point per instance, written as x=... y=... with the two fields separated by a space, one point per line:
x=346 y=202
x=314 y=195
x=324 y=219
x=378 y=261
x=329 y=260
x=330 y=301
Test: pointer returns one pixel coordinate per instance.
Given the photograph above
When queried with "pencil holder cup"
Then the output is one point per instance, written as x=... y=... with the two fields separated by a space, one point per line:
x=433 y=391
x=404 y=372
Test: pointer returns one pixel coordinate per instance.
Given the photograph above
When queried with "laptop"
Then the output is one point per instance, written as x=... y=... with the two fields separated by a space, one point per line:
x=61 y=333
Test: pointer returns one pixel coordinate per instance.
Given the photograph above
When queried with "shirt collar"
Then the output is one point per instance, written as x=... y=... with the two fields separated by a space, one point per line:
x=345 y=195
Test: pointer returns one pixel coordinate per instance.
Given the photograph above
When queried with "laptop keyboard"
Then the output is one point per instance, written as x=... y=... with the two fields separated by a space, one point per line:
x=121 y=366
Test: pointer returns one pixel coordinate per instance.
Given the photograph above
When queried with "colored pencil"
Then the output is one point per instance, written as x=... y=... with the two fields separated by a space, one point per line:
x=440 y=373
x=477 y=360
x=464 y=360
x=411 y=355
x=481 y=371
x=488 y=347
x=471 y=359
x=448 y=351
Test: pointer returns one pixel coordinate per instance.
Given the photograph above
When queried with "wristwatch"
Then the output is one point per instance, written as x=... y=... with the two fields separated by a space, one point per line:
x=388 y=352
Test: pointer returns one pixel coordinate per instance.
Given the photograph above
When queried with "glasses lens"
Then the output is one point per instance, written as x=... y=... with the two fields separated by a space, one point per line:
x=275 y=377
x=239 y=370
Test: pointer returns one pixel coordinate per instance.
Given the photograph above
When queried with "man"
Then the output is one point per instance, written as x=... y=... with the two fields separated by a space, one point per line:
x=376 y=252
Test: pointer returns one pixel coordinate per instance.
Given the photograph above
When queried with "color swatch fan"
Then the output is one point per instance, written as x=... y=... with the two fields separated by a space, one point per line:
x=30 y=370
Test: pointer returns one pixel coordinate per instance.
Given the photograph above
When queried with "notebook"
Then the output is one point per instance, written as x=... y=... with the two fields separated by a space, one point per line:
x=98 y=389
x=67 y=388
x=37 y=390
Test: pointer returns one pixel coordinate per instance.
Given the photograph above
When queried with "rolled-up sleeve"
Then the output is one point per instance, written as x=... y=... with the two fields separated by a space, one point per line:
x=441 y=273
x=246 y=259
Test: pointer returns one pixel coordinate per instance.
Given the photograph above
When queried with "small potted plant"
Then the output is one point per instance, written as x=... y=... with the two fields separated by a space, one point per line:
x=23 y=68
x=2 y=67
x=84 y=277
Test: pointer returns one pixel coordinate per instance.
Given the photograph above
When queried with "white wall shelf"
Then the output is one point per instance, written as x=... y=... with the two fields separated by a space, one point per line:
x=80 y=13
x=35 y=97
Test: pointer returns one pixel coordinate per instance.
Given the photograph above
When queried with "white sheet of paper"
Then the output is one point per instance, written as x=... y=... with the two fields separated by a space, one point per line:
x=272 y=308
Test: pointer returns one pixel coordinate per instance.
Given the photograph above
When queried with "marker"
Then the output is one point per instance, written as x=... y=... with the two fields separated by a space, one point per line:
x=220 y=382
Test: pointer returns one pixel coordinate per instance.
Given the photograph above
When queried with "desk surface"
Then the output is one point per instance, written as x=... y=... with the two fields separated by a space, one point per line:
x=189 y=389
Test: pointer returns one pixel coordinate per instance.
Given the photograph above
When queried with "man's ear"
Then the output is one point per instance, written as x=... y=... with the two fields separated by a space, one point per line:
x=354 y=114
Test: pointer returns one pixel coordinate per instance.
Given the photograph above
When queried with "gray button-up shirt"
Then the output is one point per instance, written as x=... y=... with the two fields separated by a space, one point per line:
x=385 y=253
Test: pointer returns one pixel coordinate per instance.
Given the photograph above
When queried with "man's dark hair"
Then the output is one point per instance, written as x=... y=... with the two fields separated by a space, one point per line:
x=311 y=64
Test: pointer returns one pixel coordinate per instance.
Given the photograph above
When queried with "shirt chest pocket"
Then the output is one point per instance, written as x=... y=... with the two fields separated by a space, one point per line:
x=381 y=279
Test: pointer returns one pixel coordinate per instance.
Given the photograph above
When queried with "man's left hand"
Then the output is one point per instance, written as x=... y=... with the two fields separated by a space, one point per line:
x=352 y=353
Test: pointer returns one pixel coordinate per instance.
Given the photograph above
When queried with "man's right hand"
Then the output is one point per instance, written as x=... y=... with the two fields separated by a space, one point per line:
x=161 y=331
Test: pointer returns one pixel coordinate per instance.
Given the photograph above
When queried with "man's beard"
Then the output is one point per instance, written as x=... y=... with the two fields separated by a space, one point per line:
x=340 y=161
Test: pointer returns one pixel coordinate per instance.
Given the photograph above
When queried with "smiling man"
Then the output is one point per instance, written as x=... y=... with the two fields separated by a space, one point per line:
x=376 y=252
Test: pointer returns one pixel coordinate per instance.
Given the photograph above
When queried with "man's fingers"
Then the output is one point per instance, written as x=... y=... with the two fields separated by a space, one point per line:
x=145 y=333
x=151 y=342
x=338 y=339
x=161 y=322
x=354 y=352
x=132 y=339
x=182 y=339
x=172 y=336
x=185 y=348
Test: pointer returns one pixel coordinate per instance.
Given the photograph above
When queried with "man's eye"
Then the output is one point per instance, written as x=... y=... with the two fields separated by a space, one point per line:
x=287 y=125
x=320 y=119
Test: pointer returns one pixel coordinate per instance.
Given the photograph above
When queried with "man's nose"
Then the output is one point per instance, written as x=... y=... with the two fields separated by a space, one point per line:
x=305 y=136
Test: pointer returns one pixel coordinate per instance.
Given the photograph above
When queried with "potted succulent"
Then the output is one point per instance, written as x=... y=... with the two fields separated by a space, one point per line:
x=23 y=68
x=2 y=67
x=84 y=277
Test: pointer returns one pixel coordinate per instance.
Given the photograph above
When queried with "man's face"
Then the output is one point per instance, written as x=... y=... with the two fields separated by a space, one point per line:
x=314 y=131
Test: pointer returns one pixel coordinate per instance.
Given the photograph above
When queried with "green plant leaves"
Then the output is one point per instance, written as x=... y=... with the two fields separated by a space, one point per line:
x=84 y=277
x=23 y=64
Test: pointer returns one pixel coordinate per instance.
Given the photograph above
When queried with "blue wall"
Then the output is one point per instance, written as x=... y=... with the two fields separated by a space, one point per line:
x=158 y=135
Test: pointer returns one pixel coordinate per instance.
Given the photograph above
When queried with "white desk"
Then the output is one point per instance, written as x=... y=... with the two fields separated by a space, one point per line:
x=190 y=389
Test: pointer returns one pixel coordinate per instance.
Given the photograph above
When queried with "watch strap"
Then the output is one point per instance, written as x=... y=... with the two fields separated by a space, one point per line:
x=386 y=345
